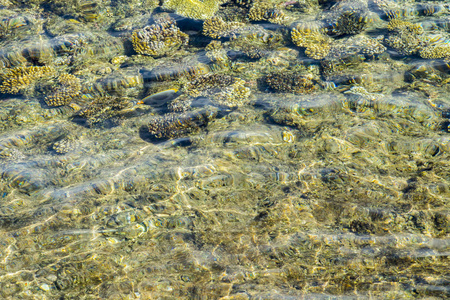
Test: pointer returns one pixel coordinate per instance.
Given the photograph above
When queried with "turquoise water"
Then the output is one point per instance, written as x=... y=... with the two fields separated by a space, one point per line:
x=224 y=149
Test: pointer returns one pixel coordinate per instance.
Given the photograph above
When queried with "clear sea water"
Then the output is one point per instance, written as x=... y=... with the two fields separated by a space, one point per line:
x=232 y=167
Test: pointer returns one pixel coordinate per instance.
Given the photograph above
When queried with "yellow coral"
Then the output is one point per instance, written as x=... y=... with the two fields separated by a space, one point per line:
x=435 y=51
x=19 y=78
x=208 y=82
x=235 y=95
x=282 y=82
x=400 y=25
x=216 y=27
x=158 y=39
x=69 y=88
x=194 y=9
x=317 y=44
x=263 y=11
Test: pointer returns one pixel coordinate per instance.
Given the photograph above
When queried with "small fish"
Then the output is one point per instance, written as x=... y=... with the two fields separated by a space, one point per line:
x=160 y=98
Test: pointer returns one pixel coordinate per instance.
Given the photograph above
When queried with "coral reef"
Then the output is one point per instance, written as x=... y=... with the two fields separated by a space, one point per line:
x=194 y=9
x=180 y=104
x=216 y=27
x=65 y=145
x=174 y=125
x=158 y=39
x=69 y=87
x=258 y=44
x=290 y=83
x=436 y=47
x=345 y=48
x=207 y=84
x=101 y=108
x=359 y=99
x=309 y=151
x=348 y=17
x=408 y=38
x=243 y=3
x=263 y=11
x=172 y=72
x=17 y=79
x=235 y=95
x=310 y=37
x=216 y=52
x=405 y=37
x=222 y=89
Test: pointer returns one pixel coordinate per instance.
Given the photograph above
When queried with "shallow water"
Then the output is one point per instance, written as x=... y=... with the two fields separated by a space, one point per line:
x=242 y=162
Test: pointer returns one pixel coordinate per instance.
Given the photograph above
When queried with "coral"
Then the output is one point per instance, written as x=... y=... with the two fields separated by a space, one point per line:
x=174 y=125
x=359 y=99
x=65 y=145
x=92 y=11
x=216 y=52
x=20 y=78
x=165 y=73
x=257 y=44
x=101 y=108
x=158 y=39
x=243 y=3
x=435 y=47
x=405 y=37
x=316 y=43
x=234 y=95
x=180 y=104
x=214 y=45
x=69 y=87
x=401 y=26
x=117 y=82
x=195 y=9
x=304 y=6
x=263 y=11
x=409 y=38
x=208 y=84
x=216 y=27
x=354 y=45
x=348 y=17
x=290 y=83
